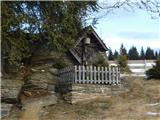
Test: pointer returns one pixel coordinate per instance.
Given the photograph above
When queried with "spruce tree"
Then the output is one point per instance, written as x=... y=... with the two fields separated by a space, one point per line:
x=122 y=60
x=110 y=56
x=115 y=55
x=149 y=54
x=142 y=54
x=23 y=24
x=156 y=55
x=123 y=50
x=133 y=53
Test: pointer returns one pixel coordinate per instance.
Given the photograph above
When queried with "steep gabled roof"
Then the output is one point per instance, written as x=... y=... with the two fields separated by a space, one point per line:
x=89 y=30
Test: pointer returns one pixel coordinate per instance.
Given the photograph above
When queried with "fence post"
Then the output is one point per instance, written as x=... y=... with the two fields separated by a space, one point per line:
x=117 y=74
x=119 y=79
x=114 y=76
x=83 y=73
x=79 y=74
x=75 y=74
x=87 y=74
x=110 y=80
x=98 y=80
x=106 y=75
x=95 y=74
x=102 y=75
x=91 y=77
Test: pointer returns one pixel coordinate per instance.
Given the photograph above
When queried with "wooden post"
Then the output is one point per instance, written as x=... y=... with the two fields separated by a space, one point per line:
x=87 y=74
x=106 y=75
x=79 y=73
x=117 y=74
x=110 y=80
x=114 y=75
x=95 y=74
x=98 y=80
x=91 y=76
x=75 y=74
x=102 y=75
x=119 y=79
x=83 y=73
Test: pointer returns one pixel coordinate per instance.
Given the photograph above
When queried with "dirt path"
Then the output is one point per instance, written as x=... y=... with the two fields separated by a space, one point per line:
x=32 y=110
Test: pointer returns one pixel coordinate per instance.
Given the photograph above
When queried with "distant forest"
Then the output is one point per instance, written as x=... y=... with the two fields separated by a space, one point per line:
x=133 y=54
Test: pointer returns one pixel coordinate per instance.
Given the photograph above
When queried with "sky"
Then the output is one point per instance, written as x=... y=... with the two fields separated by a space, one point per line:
x=132 y=28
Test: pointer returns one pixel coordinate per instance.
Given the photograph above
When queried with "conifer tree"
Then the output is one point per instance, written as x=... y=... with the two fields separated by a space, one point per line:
x=123 y=50
x=149 y=54
x=142 y=54
x=110 y=56
x=122 y=60
x=23 y=24
x=116 y=55
x=156 y=55
x=133 y=53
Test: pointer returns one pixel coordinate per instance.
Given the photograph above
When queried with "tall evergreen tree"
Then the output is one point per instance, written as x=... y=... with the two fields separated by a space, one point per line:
x=115 y=55
x=110 y=57
x=133 y=53
x=159 y=54
x=156 y=55
x=122 y=59
x=149 y=54
x=142 y=54
x=123 y=50
x=60 y=21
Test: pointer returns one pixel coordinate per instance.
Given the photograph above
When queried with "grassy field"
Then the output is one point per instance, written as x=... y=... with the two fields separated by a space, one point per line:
x=142 y=96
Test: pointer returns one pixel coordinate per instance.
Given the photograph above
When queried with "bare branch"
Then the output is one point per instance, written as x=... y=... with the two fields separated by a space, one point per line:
x=151 y=6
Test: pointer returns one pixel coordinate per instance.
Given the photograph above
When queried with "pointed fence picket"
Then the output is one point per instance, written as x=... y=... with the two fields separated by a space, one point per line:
x=90 y=75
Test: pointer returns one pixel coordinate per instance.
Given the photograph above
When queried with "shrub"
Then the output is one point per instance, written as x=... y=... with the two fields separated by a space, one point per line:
x=122 y=62
x=60 y=63
x=100 y=61
x=155 y=71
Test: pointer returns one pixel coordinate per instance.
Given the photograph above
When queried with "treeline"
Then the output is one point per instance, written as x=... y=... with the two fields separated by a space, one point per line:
x=133 y=54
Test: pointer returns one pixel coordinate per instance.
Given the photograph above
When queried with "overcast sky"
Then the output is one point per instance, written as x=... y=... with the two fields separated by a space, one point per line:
x=130 y=28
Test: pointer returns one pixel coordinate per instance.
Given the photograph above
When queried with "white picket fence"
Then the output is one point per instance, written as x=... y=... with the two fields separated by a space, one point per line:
x=90 y=75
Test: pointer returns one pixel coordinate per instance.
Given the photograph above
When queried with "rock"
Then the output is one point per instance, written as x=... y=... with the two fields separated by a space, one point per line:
x=5 y=109
x=42 y=101
x=27 y=93
x=51 y=87
x=48 y=100
x=54 y=71
x=74 y=93
x=40 y=83
x=10 y=90
x=40 y=80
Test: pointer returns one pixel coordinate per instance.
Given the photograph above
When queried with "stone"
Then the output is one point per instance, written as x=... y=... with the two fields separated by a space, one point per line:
x=49 y=100
x=42 y=101
x=40 y=80
x=38 y=84
x=74 y=93
x=27 y=93
x=10 y=90
x=54 y=71
x=5 y=109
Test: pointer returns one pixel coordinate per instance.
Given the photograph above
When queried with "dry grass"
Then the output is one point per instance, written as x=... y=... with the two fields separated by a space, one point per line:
x=131 y=105
x=79 y=111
